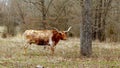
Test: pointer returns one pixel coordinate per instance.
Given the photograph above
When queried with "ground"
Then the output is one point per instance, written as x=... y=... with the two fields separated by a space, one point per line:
x=67 y=55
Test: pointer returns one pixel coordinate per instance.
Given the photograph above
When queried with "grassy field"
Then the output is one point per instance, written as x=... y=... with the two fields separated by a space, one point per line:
x=67 y=55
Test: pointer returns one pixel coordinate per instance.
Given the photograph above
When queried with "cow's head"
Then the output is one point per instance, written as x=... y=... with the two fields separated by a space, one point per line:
x=63 y=34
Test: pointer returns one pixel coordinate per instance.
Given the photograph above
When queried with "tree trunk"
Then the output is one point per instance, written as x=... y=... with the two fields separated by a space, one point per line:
x=43 y=14
x=86 y=29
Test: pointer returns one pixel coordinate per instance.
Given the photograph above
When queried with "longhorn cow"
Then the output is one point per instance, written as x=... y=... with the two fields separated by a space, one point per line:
x=45 y=37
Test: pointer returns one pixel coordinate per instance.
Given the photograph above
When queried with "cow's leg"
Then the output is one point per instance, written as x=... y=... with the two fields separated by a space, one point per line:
x=45 y=47
x=51 y=47
x=52 y=50
x=51 y=43
x=25 y=47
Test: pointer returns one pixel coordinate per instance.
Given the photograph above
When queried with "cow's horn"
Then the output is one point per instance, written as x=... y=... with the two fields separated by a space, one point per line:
x=55 y=28
x=68 y=29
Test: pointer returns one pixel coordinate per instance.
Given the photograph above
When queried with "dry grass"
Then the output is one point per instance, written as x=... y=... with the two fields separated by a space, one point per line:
x=67 y=55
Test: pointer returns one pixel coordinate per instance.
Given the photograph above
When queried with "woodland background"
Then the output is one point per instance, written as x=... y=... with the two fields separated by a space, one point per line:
x=18 y=15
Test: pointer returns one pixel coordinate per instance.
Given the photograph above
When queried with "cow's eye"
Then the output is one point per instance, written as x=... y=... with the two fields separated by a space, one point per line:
x=60 y=33
x=65 y=32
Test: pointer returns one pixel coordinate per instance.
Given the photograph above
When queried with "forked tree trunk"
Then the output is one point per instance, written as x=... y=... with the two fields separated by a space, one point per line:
x=86 y=29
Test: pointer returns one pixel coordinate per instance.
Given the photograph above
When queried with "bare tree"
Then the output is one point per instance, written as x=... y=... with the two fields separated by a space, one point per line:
x=20 y=12
x=43 y=9
x=86 y=29
x=101 y=12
